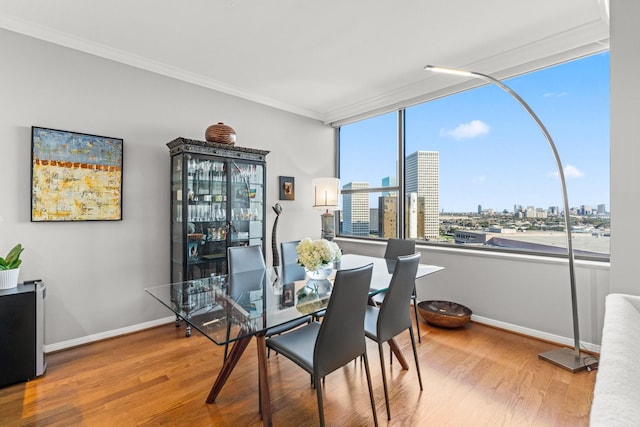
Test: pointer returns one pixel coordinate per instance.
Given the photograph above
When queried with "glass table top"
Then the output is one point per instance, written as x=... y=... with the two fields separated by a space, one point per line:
x=229 y=307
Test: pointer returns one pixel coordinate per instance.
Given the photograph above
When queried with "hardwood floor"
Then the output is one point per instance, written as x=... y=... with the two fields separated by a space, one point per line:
x=476 y=376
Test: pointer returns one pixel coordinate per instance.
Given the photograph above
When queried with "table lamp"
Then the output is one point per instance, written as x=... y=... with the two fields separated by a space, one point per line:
x=326 y=192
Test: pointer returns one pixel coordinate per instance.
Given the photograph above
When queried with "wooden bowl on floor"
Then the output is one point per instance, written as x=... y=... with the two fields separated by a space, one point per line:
x=445 y=314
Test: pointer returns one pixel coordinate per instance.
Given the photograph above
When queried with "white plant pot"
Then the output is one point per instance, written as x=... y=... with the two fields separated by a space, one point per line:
x=9 y=278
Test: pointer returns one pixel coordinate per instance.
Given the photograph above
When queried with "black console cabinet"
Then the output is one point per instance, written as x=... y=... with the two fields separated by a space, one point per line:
x=21 y=317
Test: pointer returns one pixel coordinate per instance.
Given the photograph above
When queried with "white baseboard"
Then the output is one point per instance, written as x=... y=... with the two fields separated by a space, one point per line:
x=479 y=319
x=535 y=333
x=48 y=348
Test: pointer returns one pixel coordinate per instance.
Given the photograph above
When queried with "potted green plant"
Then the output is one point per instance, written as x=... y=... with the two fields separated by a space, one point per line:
x=10 y=268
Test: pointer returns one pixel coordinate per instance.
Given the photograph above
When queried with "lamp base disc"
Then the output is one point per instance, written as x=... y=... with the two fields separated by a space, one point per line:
x=567 y=358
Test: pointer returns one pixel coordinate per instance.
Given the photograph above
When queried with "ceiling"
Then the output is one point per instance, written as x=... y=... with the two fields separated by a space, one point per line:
x=331 y=60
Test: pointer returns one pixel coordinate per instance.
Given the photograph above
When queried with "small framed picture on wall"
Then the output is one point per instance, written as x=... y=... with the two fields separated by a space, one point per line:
x=287 y=187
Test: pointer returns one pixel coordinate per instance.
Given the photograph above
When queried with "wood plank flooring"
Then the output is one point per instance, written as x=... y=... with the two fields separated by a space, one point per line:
x=475 y=376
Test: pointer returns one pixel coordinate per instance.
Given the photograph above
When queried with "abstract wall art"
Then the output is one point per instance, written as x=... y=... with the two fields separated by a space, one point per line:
x=75 y=176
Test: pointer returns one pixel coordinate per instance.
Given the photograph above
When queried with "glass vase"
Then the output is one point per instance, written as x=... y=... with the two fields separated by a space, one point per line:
x=322 y=273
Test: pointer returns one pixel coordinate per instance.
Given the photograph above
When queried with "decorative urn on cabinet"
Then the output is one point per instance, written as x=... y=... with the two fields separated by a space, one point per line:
x=220 y=134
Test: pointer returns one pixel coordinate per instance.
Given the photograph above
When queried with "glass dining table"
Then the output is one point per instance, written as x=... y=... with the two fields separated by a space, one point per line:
x=232 y=309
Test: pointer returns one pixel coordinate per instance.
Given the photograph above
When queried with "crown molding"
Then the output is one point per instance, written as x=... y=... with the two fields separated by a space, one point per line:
x=591 y=37
x=581 y=41
x=64 y=39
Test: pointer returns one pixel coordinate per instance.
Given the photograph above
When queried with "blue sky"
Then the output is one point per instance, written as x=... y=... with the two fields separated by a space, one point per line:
x=491 y=152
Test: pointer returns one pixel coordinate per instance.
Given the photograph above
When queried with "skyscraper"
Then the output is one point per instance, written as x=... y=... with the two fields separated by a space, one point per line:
x=387 y=209
x=422 y=178
x=355 y=210
x=389 y=181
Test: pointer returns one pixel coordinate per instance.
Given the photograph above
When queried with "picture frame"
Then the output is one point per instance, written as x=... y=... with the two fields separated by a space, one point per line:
x=287 y=187
x=288 y=298
x=75 y=176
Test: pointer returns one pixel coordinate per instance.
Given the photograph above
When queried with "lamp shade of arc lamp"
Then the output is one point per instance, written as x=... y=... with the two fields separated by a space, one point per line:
x=570 y=359
x=326 y=192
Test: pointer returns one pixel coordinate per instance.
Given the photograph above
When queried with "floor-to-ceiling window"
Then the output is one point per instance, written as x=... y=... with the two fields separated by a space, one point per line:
x=477 y=171
x=369 y=177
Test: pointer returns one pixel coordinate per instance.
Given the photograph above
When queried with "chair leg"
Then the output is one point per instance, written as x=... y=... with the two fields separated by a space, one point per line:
x=414 y=297
x=373 y=403
x=415 y=312
x=312 y=380
x=415 y=355
x=318 y=386
x=384 y=381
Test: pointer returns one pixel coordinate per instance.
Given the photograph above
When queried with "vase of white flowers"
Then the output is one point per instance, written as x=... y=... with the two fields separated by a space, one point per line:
x=317 y=257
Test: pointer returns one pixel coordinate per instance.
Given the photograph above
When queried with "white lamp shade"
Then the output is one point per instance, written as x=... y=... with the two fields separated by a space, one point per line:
x=326 y=193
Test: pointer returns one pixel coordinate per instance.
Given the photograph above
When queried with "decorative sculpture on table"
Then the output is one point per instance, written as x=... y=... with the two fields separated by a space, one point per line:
x=277 y=208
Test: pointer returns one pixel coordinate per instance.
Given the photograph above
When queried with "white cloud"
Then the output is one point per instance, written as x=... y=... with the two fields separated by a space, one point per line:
x=570 y=172
x=480 y=179
x=467 y=130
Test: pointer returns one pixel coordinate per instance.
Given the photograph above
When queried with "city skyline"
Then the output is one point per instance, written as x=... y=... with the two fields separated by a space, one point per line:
x=491 y=152
x=512 y=210
x=390 y=182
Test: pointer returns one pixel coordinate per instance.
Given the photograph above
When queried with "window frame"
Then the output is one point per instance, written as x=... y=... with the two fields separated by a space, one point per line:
x=400 y=189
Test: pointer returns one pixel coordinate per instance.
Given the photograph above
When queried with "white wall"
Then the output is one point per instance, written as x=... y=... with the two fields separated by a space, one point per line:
x=525 y=294
x=625 y=146
x=96 y=272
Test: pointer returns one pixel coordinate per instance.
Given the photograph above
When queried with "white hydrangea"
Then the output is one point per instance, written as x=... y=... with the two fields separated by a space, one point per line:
x=314 y=253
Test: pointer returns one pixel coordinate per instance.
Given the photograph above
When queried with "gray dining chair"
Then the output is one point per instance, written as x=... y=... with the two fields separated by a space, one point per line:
x=249 y=258
x=394 y=249
x=393 y=317
x=245 y=258
x=291 y=270
x=241 y=259
x=322 y=348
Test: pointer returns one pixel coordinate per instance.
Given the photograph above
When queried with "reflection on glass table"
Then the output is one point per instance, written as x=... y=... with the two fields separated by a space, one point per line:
x=252 y=302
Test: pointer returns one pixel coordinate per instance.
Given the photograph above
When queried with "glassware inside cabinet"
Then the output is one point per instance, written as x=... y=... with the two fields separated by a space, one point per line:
x=207 y=215
x=247 y=206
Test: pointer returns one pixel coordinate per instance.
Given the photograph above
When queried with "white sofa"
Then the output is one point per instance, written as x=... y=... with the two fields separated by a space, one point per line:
x=616 y=396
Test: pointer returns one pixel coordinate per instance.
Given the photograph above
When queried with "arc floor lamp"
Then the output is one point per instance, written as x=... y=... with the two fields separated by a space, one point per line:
x=570 y=359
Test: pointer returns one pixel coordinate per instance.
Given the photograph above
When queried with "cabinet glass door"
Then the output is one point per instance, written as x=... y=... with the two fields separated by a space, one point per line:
x=206 y=232
x=246 y=203
x=177 y=215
